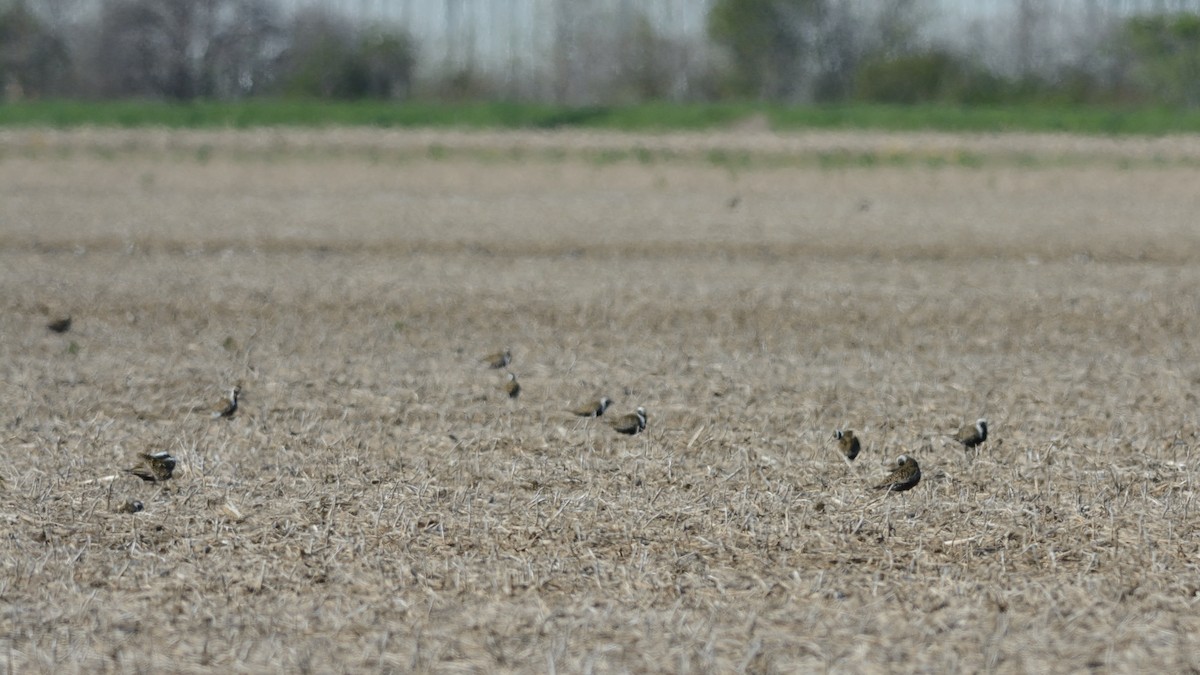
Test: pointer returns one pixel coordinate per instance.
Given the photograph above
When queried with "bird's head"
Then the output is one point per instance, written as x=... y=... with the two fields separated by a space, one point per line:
x=164 y=459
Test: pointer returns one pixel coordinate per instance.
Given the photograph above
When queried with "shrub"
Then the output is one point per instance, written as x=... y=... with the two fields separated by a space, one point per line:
x=1165 y=51
x=770 y=44
x=330 y=57
x=911 y=78
x=33 y=59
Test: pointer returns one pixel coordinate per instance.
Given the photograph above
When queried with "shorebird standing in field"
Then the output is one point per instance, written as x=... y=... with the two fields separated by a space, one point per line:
x=631 y=424
x=512 y=387
x=847 y=443
x=230 y=407
x=154 y=468
x=905 y=476
x=60 y=325
x=498 y=360
x=972 y=435
x=131 y=505
x=592 y=409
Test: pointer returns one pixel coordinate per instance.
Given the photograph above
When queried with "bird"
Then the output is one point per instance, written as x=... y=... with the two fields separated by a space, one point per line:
x=592 y=409
x=154 y=468
x=60 y=325
x=905 y=476
x=498 y=360
x=131 y=506
x=512 y=386
x=972 y=435
x=848 y=443
x=631 y=424
x=230 y=407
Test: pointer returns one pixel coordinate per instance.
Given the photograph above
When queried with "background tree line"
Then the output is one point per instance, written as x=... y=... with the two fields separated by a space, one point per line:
x=822 y=51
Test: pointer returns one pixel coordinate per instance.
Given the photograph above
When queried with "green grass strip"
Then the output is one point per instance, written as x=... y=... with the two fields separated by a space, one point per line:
x=642 y=117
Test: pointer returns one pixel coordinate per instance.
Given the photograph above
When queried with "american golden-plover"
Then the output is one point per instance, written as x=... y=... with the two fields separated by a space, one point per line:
x=229 y=407
x=593 y=408
x=154 y=467
x=633 y=423
x=60 y=325
x=972 y=435
x=498 y=360
x=905 y=476
x=847 y=443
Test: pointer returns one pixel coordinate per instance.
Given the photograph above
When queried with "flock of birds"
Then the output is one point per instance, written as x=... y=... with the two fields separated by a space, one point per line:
x=905 y=475
x=631 y=424
x=160 y=466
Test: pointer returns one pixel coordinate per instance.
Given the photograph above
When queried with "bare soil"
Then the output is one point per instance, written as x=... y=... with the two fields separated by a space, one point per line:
x=378 y=504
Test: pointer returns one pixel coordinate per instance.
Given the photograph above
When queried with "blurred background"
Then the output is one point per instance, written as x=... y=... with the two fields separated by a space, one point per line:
x=599 y=52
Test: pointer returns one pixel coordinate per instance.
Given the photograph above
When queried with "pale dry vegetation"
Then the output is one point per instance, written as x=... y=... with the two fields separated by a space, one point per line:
x=379 y=505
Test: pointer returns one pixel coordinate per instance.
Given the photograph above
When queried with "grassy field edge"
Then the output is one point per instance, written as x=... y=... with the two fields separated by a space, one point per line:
x=641 y=117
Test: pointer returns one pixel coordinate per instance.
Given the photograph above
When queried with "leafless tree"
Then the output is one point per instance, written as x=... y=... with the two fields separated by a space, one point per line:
x=243 y=53
x=34 y=60
x=182 y=49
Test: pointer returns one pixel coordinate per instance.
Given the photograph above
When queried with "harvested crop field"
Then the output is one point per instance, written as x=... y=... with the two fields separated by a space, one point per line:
x=378 y=504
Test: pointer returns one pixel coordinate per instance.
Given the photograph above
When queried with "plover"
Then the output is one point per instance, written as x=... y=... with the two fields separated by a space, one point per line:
x=154 y=467
x=905 y=476
x=498 y=360
x=847 y=443
x=972 y=435
x=633 y=423
x=230 y=406
x=60 y=325
x=593 y=409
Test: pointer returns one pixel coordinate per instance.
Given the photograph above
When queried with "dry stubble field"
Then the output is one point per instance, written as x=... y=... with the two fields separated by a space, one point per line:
x=378 y=505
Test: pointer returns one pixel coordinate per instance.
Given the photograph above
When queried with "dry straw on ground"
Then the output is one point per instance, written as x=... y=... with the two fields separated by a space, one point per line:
x=379 y=504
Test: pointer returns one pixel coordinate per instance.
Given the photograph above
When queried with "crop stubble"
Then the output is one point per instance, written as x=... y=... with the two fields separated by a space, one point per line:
x=379 y=504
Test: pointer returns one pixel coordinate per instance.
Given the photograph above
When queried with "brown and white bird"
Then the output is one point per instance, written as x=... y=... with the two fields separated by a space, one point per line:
x=847 y=443
x=512 y=387
x=592 y=409
x=972 y=435
x=131 y=505
x=230 y=407
x=633 y=423
x=498 y=360
x=905 y=476
x=60 y=325
x=154 y=468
